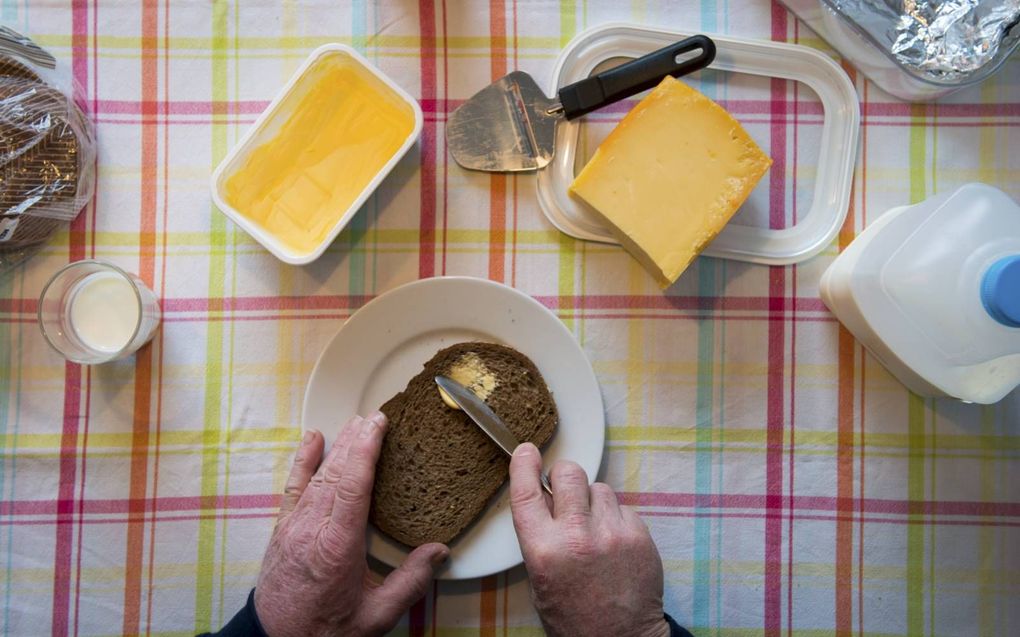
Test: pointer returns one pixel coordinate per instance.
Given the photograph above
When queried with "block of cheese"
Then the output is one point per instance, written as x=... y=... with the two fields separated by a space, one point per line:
x=670 y=175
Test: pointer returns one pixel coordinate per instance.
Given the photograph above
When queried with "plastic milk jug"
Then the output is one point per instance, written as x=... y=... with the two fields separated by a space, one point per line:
x=933 y=291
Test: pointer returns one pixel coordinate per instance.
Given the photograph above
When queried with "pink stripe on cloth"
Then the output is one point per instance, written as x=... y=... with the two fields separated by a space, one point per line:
x=218 y=515
x=849 y=517
x=882 y=506
x=65 y=504
x=180 y=107
x=662 y=302
x=822 y=503
x=255 y=303
x=774 y=417
x=427 y=222
x=807 y=107
x=569 y=302
x=126 y=505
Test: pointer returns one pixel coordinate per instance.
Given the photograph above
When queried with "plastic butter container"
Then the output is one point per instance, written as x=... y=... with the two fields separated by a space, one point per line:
x=316 y=153
x=798 y=207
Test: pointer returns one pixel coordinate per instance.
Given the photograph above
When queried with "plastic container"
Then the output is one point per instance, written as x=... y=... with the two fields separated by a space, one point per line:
x=749 y=236
x=265 y=129
x=48 y=141
x=933 y=291
x=879 y=65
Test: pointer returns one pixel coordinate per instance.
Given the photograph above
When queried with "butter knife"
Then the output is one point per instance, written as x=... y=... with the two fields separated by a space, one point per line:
x=485 y=418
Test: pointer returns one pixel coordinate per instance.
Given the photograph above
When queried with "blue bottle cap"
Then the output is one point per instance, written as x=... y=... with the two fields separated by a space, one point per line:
x=1000 y=290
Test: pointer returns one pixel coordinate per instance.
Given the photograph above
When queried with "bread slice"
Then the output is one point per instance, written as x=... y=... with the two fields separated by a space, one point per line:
x=438 y=470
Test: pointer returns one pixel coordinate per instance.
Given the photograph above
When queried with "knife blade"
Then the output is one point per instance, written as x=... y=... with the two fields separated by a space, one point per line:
x=485 y=418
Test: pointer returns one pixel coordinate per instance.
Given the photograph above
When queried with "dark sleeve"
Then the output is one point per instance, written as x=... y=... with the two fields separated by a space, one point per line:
x=244 y=624
x=675 y=629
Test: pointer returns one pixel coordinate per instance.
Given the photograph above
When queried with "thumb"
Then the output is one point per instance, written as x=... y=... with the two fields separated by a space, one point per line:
x=408 y=583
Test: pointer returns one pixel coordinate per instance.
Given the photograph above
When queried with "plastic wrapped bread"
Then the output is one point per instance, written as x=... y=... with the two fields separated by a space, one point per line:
x=47 y=149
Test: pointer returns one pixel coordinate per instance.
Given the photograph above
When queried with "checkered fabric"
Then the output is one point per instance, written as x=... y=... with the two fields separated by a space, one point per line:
x=792 y=485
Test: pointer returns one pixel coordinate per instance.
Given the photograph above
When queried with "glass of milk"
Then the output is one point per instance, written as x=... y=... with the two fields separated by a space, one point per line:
x=93 y=312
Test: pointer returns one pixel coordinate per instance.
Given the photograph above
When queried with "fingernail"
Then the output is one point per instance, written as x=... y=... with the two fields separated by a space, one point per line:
x=525 y=448
x=378 y=418
x=308 y=437
x=440 y=557
x=368 y=425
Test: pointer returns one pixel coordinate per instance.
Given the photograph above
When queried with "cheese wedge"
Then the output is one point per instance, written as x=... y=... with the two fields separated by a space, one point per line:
x=670 y=175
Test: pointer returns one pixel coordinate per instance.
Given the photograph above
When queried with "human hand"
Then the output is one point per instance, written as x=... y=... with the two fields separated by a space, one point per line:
x=593 y=566
x=315 y=579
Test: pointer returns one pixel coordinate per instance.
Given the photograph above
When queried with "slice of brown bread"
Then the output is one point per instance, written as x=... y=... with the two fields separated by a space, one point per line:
x=438 y=470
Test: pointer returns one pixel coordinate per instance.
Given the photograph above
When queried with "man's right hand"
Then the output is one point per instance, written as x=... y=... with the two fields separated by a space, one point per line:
x=593 y=566
x=315 y=580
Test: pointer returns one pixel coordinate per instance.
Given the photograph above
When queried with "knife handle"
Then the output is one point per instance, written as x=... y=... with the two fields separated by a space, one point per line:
x=635 y=76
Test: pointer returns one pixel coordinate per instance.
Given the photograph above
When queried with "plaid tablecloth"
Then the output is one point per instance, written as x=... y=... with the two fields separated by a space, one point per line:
x=792 y=485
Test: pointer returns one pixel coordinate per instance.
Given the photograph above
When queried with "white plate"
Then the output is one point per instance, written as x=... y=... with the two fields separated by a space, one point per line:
x=385 y=343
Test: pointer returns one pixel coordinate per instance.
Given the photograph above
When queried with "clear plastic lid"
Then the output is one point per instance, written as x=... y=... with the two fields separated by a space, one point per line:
x=809 y=124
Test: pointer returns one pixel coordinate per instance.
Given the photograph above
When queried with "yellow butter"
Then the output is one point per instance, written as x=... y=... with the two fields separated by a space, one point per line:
x=471 y=372
x=670 y=175
x=346 y=124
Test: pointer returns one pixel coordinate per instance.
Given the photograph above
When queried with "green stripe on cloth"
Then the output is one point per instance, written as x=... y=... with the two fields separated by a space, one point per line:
x=915 y=530
x=359 y=224
x=721 y=441
x=213 y=411
x=10 y=381
x=989 y=538
x=236 y=239
x=10 y=398
x=704 y=456
x=568 y=21
x=916 y=428
x=933 y=481
x=567 y=245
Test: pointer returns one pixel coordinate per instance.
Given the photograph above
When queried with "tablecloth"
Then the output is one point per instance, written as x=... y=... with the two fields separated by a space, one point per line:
x=792 y=485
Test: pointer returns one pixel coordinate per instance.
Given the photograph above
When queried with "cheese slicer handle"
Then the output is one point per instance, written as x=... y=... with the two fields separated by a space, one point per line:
x=635 y=76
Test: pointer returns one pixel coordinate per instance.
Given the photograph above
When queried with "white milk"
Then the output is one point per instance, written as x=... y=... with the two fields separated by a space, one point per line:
x=104 y=311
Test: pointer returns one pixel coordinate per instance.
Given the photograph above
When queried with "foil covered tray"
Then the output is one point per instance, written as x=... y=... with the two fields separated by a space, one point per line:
x=918 y=49
x=938 y=40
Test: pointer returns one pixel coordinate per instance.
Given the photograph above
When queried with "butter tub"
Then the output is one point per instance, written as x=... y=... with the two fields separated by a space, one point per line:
x=316 y=154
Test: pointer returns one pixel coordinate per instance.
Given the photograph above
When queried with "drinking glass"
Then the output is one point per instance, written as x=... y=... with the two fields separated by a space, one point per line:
x=93 y=312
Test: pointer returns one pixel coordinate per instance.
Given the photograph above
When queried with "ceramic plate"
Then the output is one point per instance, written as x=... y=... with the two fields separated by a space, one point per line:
x=385 y=343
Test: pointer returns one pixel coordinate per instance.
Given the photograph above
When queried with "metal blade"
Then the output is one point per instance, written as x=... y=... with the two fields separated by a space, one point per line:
x=508 y=126
x=485 y=418
x=479 y=412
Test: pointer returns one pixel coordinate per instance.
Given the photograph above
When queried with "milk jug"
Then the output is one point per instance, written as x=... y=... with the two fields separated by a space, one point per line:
x=933 y=291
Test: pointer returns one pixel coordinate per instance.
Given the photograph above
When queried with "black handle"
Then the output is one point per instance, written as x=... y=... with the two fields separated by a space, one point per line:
x=635 y=76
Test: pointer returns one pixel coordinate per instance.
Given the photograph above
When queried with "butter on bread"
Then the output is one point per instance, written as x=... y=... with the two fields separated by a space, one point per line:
x=438 y=470
x=670 y=176
x=470 y=371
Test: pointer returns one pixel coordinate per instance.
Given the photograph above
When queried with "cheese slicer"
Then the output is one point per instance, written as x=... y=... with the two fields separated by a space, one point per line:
x=510 y=125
